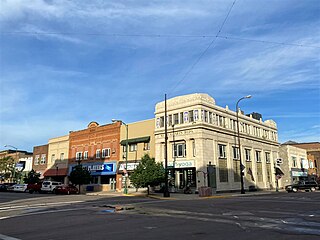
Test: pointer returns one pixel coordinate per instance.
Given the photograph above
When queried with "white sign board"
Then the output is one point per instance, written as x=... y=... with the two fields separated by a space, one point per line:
x=182 y=164
x=130 y=166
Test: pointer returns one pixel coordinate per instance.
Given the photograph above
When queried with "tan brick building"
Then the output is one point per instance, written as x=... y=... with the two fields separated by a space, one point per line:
x=98 y=149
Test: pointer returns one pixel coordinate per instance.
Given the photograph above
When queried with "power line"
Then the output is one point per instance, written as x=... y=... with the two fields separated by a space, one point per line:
x=160 y=36
x=204 y=52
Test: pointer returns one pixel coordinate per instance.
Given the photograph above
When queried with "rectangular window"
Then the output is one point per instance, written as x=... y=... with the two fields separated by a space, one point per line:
x=85 y=155
x=146 y=146
x=98 y=153
x=258 y=156
x=43 y=159
x=248 y=154
x=105 y=152
x=196 y=115
x=170 y=120
x=36 y=160
x=210 y=117
x=223 y=170
x=179 y=150
x=158 y=123
x=268 y=157
x=53 y=158
x=61 y=156
x=181 y=118
x=194 y=148
x=205 y=116
x=222 y=151
x=133 y=147
x=191 y=116
x=176 y=118
x=186 y=117
x=294 y=161
x=78 y=155
x=161 y=121
x=235 y=151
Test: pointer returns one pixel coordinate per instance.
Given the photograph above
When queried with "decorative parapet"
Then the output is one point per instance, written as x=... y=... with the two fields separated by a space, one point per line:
x=185 y=101
x=271 y=123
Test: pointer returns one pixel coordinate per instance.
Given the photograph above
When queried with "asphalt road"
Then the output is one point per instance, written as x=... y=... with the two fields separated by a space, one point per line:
x=273 y=216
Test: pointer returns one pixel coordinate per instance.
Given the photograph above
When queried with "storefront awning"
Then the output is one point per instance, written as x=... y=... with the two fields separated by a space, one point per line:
x=136 y=140
x=56 y=172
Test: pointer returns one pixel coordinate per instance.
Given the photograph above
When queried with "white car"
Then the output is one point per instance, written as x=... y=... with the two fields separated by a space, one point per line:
x=19 y=187
x=49 y=186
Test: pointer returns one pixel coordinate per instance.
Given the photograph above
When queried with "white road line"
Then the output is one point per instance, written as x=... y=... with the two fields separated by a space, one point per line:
x=38 y=205
x=5 y=237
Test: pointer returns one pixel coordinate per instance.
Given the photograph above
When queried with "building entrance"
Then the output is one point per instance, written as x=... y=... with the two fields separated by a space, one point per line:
x=180 y=178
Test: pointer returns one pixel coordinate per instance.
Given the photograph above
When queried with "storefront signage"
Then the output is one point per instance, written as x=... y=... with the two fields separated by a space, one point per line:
x=181 y=164
x=299 y=174
x=130 y=166
x=98 y=168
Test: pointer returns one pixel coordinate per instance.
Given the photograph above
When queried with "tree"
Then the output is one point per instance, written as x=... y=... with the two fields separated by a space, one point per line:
x=7 y=168
x=80 y=176
x=32 y=177
x=148 y=173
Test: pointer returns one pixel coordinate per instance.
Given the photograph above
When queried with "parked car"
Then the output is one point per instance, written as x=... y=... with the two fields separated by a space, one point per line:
x=34 y=187
x=302 y=185
x=66 y=189
x=50 y=186
x=4 y=186
x=19 y=187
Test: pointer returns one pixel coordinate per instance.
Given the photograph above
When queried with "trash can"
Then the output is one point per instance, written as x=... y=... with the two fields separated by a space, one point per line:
x=89 y=188
x=205 y=191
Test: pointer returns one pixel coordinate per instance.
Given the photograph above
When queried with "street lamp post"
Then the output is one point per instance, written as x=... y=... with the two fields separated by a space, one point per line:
x=238 y=130
x=126 y=166
x=14 y=165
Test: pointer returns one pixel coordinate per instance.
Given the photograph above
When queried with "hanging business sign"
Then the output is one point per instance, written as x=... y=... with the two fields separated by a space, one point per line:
x=299 y=174
x=130 y=166
x=20 y=166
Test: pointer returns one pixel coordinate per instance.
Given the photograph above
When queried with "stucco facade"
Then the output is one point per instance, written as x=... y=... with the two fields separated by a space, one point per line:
x=140 y=142
x=295 y=164
x=200 y=133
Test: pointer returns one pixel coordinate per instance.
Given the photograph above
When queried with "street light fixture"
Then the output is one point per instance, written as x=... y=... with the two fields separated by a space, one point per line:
x=126 y=166
x=14 y=166
x=241 y=166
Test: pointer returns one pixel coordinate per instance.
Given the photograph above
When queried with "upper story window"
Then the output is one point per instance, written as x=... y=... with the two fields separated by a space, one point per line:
x=210 y=117
x=61 y=156
x=235 y=151
x=98 y=153
x=36 y=160
x=268 y=157
x=78 y=155
x=146 y=146
x=196 y=115
x=161 y=121
x=133 y=147
x=181 y=118
x=85 y=155
x=191 y=116
x=258 y=156
x=105 y=152
x=294 y=161
x=43 y=159
x=185 y=117
x=222 y=151
x=176 y=118
x=53 y=157
x=248 y=154
x=170 y=120
x=179 y=150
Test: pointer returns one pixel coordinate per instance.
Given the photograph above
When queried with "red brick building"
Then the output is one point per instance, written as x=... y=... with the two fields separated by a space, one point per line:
x=40 y=159
x=97 y=148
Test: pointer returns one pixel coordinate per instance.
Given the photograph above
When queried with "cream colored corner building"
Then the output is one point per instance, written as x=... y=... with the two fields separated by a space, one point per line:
x=202 y=145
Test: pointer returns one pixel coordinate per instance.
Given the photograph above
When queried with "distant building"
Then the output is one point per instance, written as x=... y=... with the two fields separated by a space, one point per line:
x=202 y=136
x=40 y=159
x=58 y=154
x=313 y=148
x=295 y=164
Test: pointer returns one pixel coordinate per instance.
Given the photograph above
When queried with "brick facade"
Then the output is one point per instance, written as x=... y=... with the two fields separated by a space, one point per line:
x=40 y=159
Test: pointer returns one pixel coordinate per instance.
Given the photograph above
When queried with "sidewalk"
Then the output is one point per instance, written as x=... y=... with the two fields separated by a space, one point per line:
x=179 y=196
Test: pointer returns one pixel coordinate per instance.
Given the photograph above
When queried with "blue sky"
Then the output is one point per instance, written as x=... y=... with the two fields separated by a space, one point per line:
x=65 y=63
